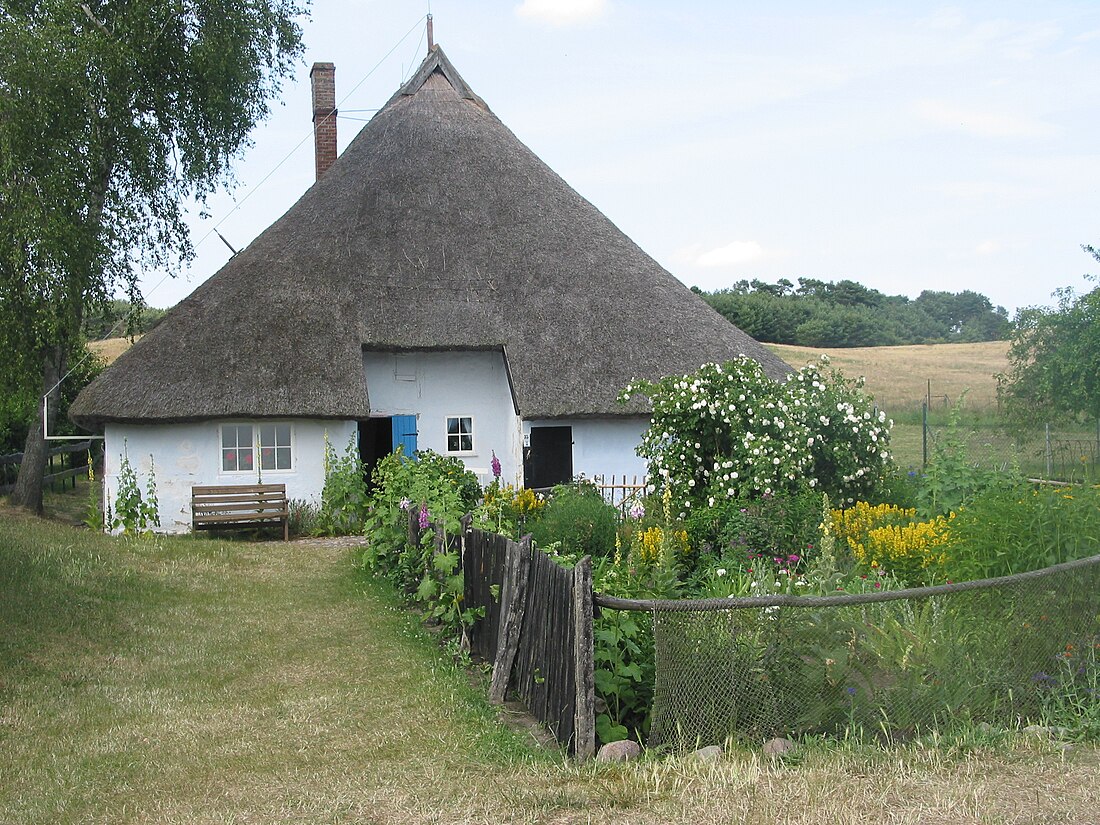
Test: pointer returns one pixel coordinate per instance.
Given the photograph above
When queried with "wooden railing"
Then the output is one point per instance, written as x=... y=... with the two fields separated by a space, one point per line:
x=9 y=466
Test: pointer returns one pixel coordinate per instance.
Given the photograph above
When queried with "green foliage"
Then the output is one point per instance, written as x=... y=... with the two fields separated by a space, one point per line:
x=770 y=526
x=951 y=479
x=845 y=314
x=1068 y=694
x=93 y=508
x=508 y=510
x=119 y=318
x=1054 y=359
x=344 y=497
x=1015 y=527
x=21 y=394
x=623 y=676
x=144 y=105
x=132 y=512
x=436 y=491
x=303 y=518
x=578 y=517
x=730 y=432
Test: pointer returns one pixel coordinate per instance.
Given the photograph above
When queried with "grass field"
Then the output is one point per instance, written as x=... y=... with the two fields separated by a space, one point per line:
x=200 y=681
x=898 y=377
x=111 y=348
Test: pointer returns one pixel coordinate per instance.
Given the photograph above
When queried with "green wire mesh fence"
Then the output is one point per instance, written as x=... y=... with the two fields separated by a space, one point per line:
x=1005 y=651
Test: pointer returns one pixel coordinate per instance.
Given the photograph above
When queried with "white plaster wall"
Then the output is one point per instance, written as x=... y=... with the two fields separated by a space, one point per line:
x=435 y=385
x=185 y=455
x=603 y=446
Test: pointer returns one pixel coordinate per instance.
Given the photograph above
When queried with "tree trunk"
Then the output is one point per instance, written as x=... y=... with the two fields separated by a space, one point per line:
x=27 y=492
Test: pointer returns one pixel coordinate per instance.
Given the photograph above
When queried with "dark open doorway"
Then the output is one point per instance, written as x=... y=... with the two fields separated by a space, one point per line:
x=375 y=442
x=549 y=458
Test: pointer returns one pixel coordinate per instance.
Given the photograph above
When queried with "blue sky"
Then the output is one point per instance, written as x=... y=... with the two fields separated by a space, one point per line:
x=905 y=146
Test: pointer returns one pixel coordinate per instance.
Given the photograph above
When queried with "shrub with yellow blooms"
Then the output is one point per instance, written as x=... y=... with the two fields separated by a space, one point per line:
x=890 y=538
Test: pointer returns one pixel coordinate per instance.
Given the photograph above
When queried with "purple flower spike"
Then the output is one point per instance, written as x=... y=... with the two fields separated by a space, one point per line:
x=495 y=464
x=423 y=517
x=637 y=511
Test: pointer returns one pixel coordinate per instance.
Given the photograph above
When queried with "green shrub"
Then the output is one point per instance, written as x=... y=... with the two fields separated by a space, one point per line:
x=303 y=517
x=437 y=490
x=727 y=431
x=578 y=517
x=344 y=497
x=771 y=525
x=134 y=513
x=1015 y=527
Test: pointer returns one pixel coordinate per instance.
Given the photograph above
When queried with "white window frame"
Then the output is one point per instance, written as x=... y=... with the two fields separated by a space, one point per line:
x=447 y=434
x=257 y=449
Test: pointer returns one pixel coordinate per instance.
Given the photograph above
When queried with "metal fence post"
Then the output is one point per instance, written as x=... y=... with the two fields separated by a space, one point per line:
x=1049 y=453
x=924 y=434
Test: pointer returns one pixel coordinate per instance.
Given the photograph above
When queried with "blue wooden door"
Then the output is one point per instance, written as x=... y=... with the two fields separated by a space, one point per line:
x=404 y=432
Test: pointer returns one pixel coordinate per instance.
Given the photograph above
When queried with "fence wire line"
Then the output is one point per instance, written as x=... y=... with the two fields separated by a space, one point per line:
x=783 y=600
x=999 y=651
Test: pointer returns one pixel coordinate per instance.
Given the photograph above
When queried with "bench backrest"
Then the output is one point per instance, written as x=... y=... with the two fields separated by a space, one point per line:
x=239 y=492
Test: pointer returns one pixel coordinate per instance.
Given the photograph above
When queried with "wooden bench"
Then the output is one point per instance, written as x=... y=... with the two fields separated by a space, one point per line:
x=240 y=505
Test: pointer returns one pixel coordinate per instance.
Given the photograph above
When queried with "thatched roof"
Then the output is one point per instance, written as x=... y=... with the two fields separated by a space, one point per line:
x=438 y=229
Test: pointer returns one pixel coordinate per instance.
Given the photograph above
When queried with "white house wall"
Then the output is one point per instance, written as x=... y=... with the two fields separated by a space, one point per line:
x=602 y=446
x=435 y=385
x=186 y=455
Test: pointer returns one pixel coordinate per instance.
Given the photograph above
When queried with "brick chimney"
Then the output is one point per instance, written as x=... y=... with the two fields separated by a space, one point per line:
x=323 y=82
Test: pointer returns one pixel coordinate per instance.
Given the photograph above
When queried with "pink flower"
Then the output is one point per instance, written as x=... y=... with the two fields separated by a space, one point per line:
x=423 y=517
x=495 y=464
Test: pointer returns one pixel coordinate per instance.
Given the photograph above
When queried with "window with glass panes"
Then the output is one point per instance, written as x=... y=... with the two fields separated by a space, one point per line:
x=240 y=442
x=460 y=434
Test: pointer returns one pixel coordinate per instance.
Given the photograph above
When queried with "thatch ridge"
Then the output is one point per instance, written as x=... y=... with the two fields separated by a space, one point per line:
x=436 y=228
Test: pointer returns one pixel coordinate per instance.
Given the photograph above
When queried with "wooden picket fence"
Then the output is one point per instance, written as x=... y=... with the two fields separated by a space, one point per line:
x=536 y=630
x=620 y=492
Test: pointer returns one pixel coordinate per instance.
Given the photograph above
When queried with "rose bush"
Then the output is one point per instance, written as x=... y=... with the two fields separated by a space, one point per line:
x=727 y=431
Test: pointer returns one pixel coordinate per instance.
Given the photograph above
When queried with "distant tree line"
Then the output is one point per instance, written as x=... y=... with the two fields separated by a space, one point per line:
x=119 y=318
x=817 y=313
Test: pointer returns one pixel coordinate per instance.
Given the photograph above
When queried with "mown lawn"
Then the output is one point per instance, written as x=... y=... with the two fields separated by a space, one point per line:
x=201 y=681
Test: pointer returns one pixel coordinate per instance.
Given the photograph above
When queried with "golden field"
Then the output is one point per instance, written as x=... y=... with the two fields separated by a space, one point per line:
x=899 y=377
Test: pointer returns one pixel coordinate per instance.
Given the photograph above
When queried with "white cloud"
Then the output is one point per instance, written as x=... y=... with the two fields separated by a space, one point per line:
x=732 y=254
x=987 y=247
x=982 y=124
x=562 y=12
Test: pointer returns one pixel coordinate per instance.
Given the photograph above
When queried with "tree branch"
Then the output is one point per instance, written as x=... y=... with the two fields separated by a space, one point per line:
x=84 y=7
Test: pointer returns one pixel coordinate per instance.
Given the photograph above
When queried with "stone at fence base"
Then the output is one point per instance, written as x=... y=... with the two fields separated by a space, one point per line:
x=711 y=753
x=622 y=751
x=1045 y=732
x=778 y=746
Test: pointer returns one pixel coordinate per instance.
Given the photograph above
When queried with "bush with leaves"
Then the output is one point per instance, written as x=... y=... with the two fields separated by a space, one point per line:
x=436 y=490
x=344 y=497
x=580 y=519
x=134 y=513
x=728 y=431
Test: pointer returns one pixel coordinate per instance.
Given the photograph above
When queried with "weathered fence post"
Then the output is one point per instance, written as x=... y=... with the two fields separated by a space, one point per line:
x=584 y=724
x=414 y=527
x=513 y=606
